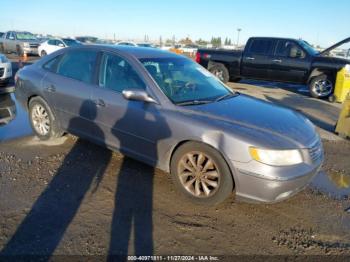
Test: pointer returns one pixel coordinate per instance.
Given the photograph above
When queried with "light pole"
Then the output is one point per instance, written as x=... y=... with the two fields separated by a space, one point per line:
x=238 y=32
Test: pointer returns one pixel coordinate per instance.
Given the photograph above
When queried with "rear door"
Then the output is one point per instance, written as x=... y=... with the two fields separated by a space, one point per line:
x=69 y=88
x=290 y=62
x=257 y=58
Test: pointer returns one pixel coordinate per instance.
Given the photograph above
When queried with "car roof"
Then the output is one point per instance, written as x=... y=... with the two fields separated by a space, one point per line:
x=136 y=51
x=275 y=38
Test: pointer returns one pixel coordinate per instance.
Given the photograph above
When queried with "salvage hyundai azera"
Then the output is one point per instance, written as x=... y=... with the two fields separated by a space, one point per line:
x=169 y=112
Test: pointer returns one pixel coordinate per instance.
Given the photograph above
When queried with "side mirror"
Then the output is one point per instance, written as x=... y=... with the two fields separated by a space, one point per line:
x=138 y=95
x=61 y=45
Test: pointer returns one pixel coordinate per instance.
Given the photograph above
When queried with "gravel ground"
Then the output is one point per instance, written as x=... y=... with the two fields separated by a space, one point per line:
x=73 y=197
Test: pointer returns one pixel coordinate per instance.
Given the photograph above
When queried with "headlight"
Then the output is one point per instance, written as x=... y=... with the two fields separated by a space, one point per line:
x=25 y=44
x=276 y=157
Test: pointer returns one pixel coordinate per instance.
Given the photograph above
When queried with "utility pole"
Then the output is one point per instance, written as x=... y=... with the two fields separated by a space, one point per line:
x=238 y=32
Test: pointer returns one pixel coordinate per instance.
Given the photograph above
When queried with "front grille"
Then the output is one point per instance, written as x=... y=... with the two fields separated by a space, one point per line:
x=33 y=45
x=2 y=70
x=316 y=151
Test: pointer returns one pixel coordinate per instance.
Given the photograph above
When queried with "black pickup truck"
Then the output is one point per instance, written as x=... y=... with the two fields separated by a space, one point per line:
x=277 y=59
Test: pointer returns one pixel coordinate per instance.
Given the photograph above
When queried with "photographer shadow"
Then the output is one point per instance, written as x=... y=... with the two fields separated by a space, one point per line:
x=44 y=226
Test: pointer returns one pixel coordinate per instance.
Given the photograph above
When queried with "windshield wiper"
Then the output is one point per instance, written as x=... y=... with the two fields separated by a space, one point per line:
x=194 y=102
x=229 y=95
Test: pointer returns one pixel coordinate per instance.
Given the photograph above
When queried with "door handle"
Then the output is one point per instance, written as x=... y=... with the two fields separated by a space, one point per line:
x=99 y=103
x=51 y=88
x=277 y=60
x=250 y=58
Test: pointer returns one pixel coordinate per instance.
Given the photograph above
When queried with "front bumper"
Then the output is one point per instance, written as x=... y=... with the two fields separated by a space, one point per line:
x=31 y=50
x=5 y=71
x=257 y=182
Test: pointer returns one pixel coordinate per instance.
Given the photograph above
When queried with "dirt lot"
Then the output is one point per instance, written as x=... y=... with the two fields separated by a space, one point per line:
x=70 y=196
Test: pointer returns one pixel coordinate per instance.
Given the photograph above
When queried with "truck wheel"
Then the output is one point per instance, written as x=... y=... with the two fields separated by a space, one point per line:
x=220 y=71
x=201 y=174
x=42 y=120
x=321 y=86
x=19 y=51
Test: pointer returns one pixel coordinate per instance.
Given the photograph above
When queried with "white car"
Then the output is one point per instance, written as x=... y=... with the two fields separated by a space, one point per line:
x=53 y=45
x=5 y=73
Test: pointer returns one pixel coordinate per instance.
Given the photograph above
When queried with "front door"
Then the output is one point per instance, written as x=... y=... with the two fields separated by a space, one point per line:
x=290 y=62
x=130 y=126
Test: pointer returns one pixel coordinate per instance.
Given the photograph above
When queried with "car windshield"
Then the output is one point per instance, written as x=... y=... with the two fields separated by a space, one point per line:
x=25 y=36
x=183 y=81
x=70 y=42
x=308 y=48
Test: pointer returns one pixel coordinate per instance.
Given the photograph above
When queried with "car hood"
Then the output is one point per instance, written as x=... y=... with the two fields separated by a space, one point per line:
x=262 y=117
x=326 y=51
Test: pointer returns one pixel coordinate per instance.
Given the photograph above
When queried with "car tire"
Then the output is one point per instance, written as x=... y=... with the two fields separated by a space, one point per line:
x=211 y=182
x=19 y=51
x=43 y=53
x=321 y=86
x=220 y=71
x=42 y=120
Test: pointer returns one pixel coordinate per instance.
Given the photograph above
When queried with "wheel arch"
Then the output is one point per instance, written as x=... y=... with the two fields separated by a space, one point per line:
x=322 y=71
x=226 y=159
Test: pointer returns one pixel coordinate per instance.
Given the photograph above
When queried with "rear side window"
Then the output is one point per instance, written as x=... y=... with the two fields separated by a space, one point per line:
x=51 y=65
x=261 y=46
x=51 y=42
x=78 y=65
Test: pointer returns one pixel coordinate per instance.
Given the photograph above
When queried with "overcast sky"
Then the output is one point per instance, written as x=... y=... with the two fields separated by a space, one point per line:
x=319 y=22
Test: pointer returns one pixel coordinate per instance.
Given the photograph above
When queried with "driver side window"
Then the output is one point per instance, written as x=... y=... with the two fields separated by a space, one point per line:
x=287 y=48
x=117 y=74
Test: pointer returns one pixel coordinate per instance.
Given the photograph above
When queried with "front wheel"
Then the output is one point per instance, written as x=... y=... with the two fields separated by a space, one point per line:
x=43 y=53
x=42 y=120
x=321 y=86
x=201 y=174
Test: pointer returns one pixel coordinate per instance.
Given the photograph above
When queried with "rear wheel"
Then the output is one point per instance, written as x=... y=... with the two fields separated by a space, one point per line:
x=321 y=86
x=220 y=71
x=42 y=120
x=201 y=174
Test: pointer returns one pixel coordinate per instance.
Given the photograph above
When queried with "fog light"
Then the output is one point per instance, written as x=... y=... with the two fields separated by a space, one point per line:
x=284 y=195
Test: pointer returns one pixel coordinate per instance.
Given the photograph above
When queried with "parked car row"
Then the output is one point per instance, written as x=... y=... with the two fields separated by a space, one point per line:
x=277 y=59
x=5 y=74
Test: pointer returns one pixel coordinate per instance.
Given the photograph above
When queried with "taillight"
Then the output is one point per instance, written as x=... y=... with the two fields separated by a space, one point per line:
x=198 y=57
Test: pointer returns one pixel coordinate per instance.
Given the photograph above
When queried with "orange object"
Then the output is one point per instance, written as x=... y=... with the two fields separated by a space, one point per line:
x=176 y=51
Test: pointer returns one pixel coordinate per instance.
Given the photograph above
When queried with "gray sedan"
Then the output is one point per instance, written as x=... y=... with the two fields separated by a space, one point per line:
x=169 y=112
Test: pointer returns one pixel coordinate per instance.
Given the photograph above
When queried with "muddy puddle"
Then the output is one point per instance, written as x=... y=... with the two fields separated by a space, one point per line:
x=335 y=184
x=14 y=122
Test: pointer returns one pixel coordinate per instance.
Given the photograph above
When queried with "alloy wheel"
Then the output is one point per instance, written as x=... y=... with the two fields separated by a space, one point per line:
x=323 y=87
x=199 y=174
x=40 y=120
